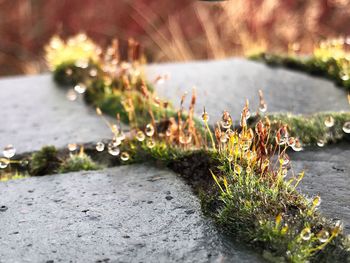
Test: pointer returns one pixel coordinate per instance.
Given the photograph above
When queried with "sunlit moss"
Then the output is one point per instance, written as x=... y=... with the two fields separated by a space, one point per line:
x=44 y=162
x=78 y=162
x=330 y=59
x=75 y=49
x=311 y=129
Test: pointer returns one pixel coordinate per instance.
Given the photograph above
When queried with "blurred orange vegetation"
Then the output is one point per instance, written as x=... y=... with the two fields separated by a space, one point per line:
x=168 y=30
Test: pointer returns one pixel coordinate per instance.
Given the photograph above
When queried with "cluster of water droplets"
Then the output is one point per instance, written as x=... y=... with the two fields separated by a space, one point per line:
x=8 y=152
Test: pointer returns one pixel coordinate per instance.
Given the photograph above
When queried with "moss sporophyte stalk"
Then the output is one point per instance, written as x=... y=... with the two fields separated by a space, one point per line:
x=251 y=194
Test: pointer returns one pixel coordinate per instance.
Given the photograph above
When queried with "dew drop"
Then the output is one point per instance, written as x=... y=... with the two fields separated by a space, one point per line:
x=72 y=147
x=140 y=136
x=329 y=121
x=323 y=236
x=291 y=141
x=226 y=124
x=71 y=95
x=100 y=146
x=150 y=143
x=344 y=76
x=149 y=130
x=9 y=151
x=82 y=63
x=113 y=149
x=238 y=169
x=185 y=139
x=93 y=72
x=4 y=163
x=297 y=146
x=316 y=201
x=115 y=142
x=284 y=159
x=263 y=107
x=69 y=71
x=80 y=88
x=305 y=234
x=124 y=156
x=346 y=127
x=320 y=143
x=205 y=116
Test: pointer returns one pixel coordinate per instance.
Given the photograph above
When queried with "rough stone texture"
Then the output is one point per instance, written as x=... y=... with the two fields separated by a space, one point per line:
x=124 y=214
x=327 y=173
x=226 y=84
x=138 y=213
x=35 y=112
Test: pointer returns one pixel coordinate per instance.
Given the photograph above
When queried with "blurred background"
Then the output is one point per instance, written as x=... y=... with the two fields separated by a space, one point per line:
x=168 y=30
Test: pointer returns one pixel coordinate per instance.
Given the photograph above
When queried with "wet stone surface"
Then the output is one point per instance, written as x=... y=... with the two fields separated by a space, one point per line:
x=327 y=174
x=132 y=213
x=36 y=112
x=226 y=84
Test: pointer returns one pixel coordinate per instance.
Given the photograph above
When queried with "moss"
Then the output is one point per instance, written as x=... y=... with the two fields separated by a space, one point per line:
x=76 y=76
x=330 y=68
x=310 y=129
x=248 y=198
x=44 y=162
x=78 y=162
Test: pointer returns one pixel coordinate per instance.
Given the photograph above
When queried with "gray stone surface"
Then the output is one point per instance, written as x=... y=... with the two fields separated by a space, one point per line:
x=35 y=112
x=327 y=173
x=226 y=84
x=125 y=214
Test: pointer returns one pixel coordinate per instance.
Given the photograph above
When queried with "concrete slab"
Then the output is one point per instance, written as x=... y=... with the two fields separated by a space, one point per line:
x=327 y=174
x=226 y=84
x=132 y=213
x=36 y=112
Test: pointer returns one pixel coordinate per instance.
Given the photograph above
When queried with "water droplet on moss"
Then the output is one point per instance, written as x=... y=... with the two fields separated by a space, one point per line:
x=329 y=122
x=297 y=146
x=9 y=151
x=346 y=127
x=100 y=146
x=263 y=107
x=305 y=234
x=238 y=169
x=316 y=201
x=82 y=63
x=205 y=116
x=93 y=72
x=140 y=136
x=80 y=88
x=149 y=130
x=150 y=143
x=323 y=236
x=320 y=143
x=4 y=163
x=113 y=149
x=72 y=147
x=124 y=156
